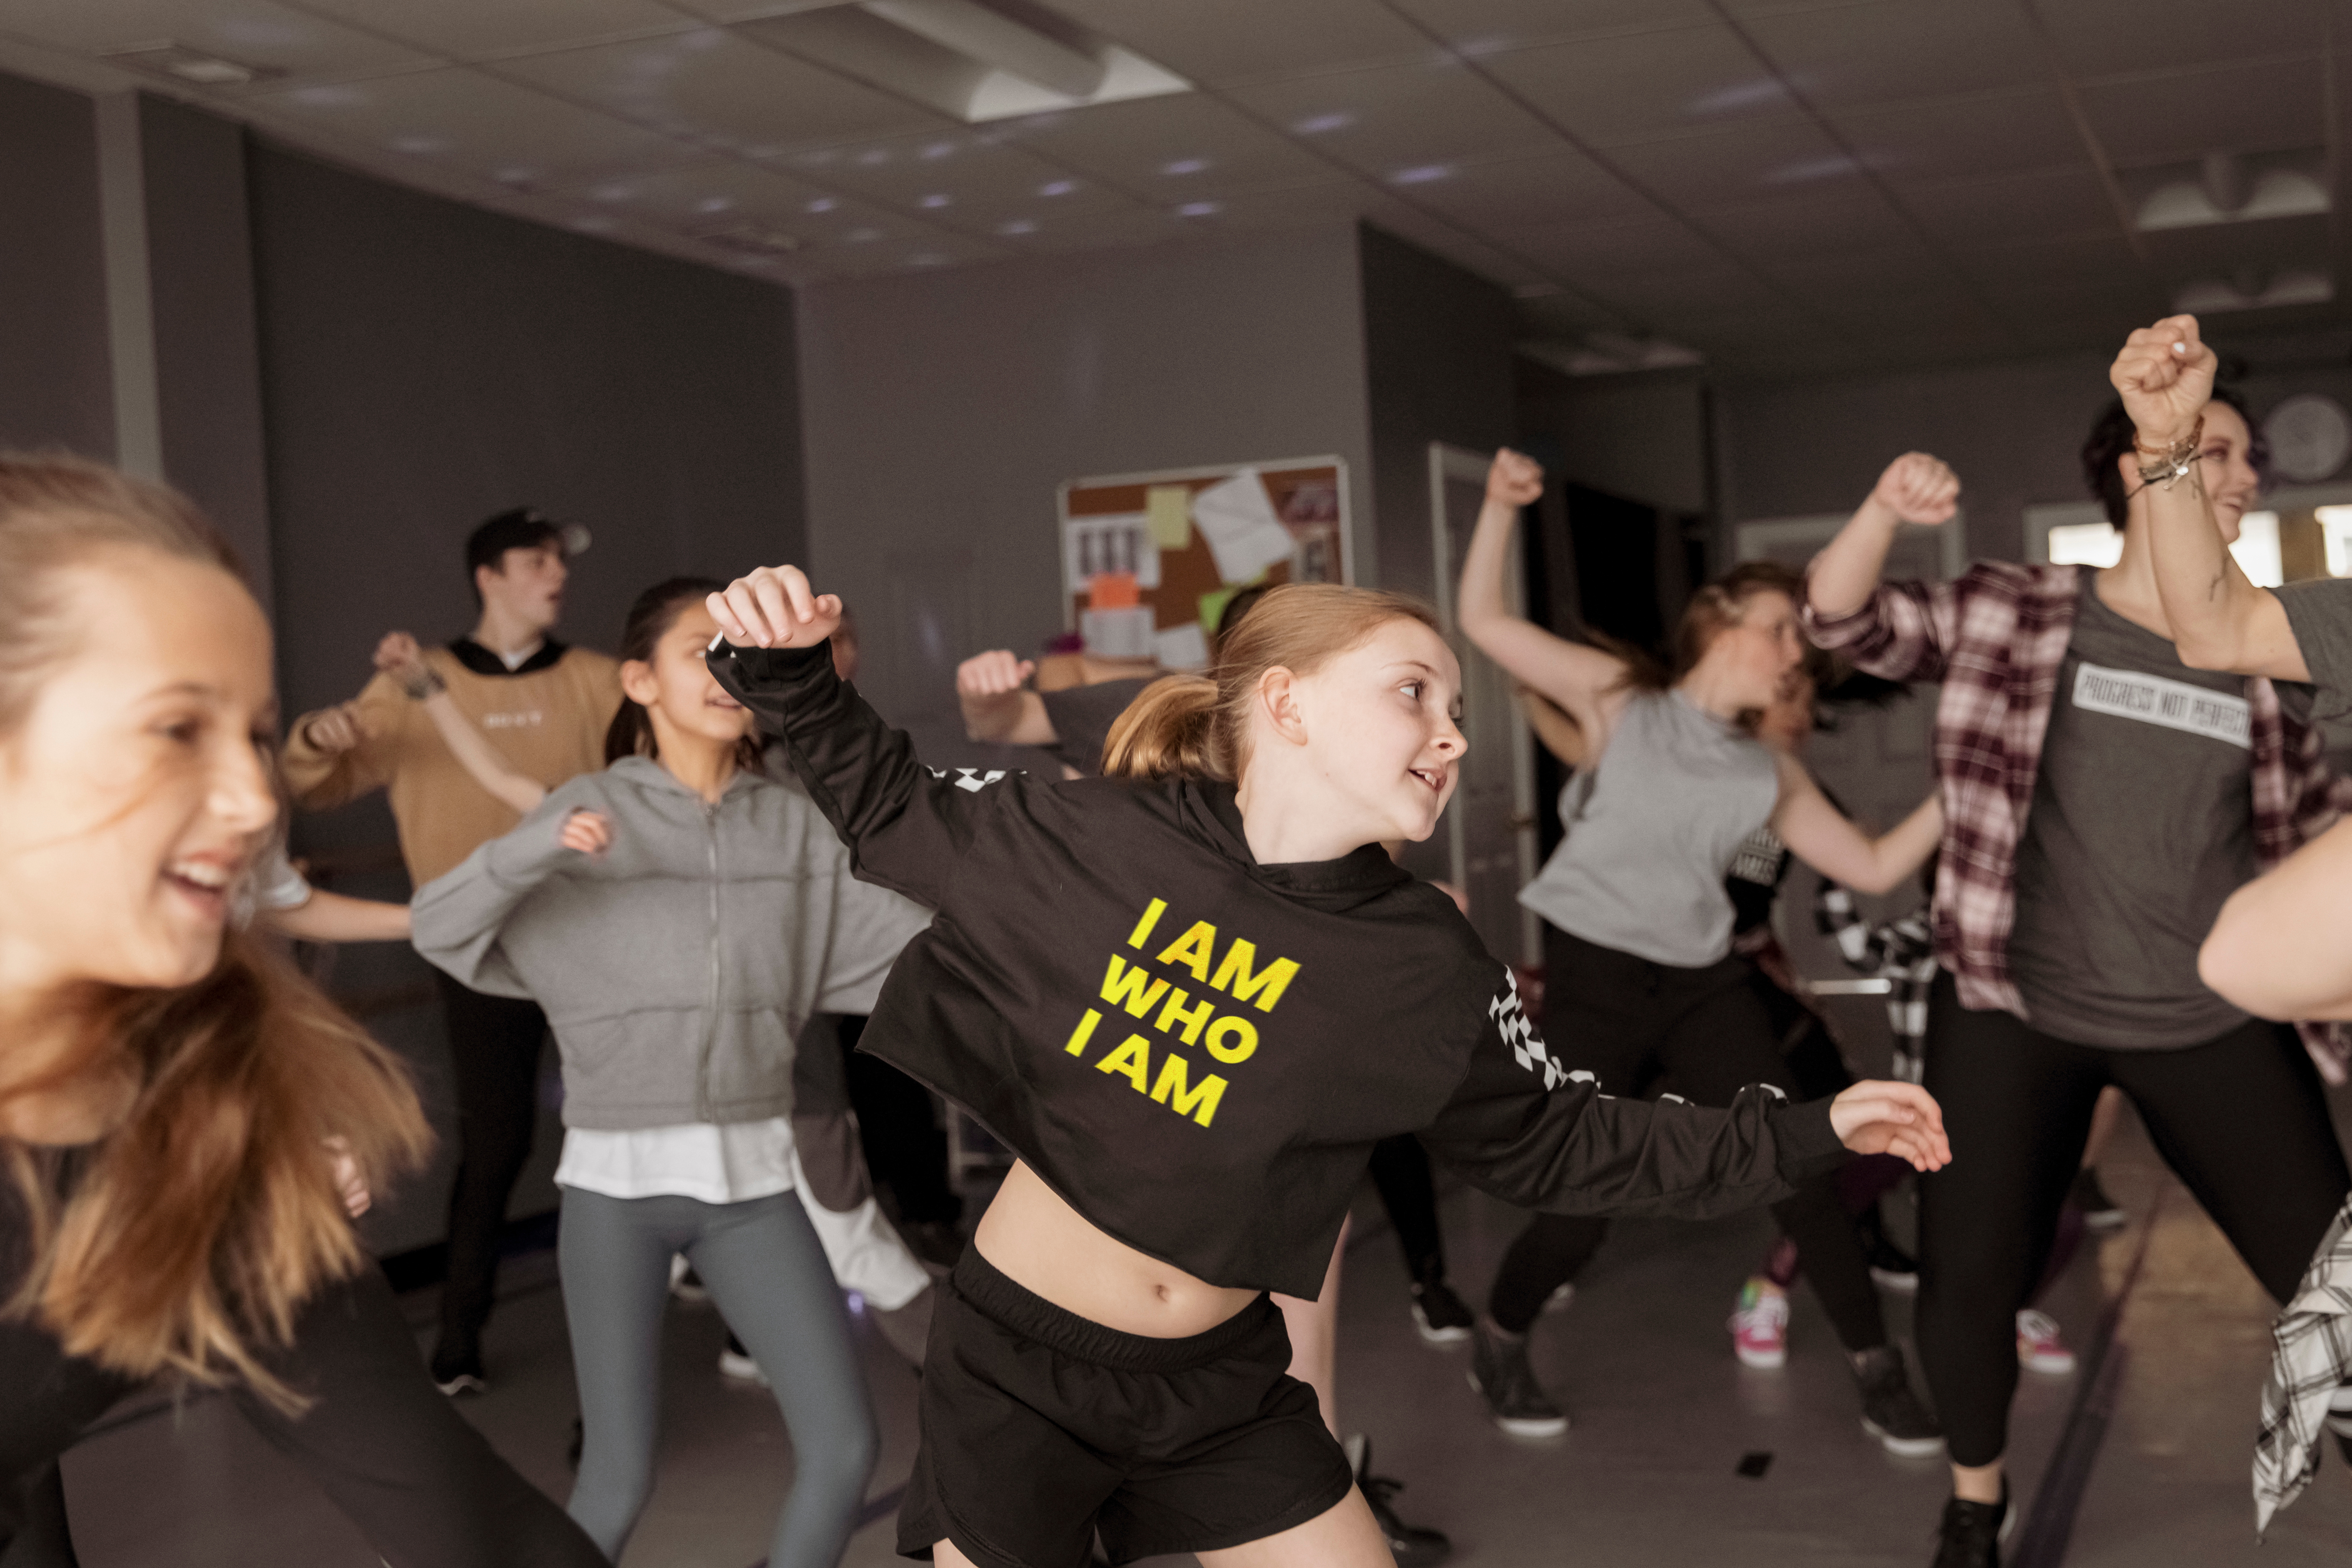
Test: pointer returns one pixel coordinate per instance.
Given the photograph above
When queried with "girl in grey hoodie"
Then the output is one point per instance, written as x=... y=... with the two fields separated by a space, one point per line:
x=679 y=916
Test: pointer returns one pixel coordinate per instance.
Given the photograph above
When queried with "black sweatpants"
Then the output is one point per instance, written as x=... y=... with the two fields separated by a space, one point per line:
x=1630 y=1021
x=2240 y=1119
x=1408 y=1190
x=494 y=1045
x=423 y=1487
x=905 y=1148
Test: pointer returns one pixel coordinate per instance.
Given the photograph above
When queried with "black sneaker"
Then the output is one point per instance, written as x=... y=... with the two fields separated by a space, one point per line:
x=1971 y=1532
x=2100 y=1212
x=1499 y=1371
x=1410 y=1544
x=456 y=1371
x=1439 y=1316
x=1890 y=1410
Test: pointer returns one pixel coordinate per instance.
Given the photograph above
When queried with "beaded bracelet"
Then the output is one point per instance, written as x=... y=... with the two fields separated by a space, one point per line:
x=2171 y=462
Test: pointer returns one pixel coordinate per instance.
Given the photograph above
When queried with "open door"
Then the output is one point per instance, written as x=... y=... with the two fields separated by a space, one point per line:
x=1490 y=827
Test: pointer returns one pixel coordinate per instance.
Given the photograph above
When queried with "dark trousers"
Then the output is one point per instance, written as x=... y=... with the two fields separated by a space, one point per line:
x=905 y=1148
x=391 y=1453
x=2240 y=1119
x=1630 y=1021
x=1409 y=1191
x=494 y=1045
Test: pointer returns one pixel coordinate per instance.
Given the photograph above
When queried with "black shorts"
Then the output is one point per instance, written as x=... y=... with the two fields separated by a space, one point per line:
x=1040 y=1427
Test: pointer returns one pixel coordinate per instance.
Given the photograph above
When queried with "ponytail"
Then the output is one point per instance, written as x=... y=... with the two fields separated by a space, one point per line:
x=1169 y=732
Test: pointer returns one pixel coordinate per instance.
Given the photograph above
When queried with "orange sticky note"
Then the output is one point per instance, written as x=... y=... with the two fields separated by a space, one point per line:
x=1113 y=591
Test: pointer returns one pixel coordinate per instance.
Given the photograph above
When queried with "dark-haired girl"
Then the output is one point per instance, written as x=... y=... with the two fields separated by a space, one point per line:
x=679 y=915
x=168 y=1089
x=1640 y=980
x=2102 y=800
x=1192 y=1007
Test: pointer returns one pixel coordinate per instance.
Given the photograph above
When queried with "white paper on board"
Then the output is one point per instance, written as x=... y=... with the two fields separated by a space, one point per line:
x=1182 y=648
x=1119 y=634
x=1118 y=541
x=1236 y=517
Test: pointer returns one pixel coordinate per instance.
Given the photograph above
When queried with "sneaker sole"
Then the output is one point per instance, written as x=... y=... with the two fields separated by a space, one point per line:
x=464 y=1383
x=2046 y=1367
x=1903 y=1448
x=1528 y=1427
x=743 y=1370
x=2106 y=1219
x=1901 y=1284
x=1429 y=1336
x=1763 y=1361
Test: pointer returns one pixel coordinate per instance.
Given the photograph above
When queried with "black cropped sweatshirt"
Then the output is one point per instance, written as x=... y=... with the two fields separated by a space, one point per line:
x=1198 y=1052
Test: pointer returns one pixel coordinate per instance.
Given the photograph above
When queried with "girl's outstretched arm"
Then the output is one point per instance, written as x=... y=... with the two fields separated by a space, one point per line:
x=1824 y=839
x=398 y=655
x=2278 y=950
x=332 y=917
x=1581 y=680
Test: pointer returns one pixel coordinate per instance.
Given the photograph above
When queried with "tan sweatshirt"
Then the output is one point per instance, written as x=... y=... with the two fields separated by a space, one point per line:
x=549 y=723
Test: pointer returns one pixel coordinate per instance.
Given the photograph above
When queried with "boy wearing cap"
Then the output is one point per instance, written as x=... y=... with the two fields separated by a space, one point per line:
x=546 y=707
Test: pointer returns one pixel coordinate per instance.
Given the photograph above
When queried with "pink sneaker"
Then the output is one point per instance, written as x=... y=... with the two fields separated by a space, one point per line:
x=2039 y=1348
x=1760 y=1328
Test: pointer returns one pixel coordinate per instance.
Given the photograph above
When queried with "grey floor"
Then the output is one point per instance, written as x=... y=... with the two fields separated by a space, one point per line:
x=1648 y=1476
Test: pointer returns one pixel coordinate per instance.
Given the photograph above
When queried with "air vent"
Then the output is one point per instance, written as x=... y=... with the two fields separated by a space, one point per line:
x=194 y=66
x=2255 y=291
x=2229 y=188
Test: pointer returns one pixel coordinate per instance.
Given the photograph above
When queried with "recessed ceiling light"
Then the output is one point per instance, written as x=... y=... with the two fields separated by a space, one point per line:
x=419 y=145
x=939 y=149
x=195 y=66
x=1199 y=209
x=862 y=236
x=1422 y=174
x=1805 y=171
x=936 y=200
x=1184 y=166
x=873 y=155
x=714 y=203
x=1018 y=226
x=824 y=205
x=1057 y=187
x=1317 y=124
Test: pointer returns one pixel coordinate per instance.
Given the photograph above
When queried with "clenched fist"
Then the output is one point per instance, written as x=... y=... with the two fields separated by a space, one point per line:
x=2164 y=376
x=586 y=832
x=1515 y=480
x=1917 y=488
x=335 y=730
x=775 y=608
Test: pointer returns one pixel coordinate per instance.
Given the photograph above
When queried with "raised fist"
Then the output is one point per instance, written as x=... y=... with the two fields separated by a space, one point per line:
x=2164 y=376
x=1918 y=488
x=997 y=673
x=586 y=832
x=775 y=608
x=335 y=730
x=1514 y=479
x=397 y=654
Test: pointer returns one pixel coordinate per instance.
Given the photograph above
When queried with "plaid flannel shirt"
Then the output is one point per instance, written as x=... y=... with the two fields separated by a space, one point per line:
x=2311 y=1358
x=1996 y=638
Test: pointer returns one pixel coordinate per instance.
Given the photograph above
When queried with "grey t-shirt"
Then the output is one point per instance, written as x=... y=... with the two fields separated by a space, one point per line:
x=2142 y=824
x=1082 y=718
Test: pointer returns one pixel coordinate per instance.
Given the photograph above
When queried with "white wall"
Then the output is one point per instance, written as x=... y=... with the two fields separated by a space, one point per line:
x=940 y=412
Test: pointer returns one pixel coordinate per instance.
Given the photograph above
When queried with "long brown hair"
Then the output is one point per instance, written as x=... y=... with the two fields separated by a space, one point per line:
x=1712 y=610
x=1196 y=726
x=631 y=734
x=196 y=1228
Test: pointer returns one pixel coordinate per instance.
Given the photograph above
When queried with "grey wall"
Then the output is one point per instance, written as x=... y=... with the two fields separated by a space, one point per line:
x=944 y=411
x=55 y=385
x=1641 y=436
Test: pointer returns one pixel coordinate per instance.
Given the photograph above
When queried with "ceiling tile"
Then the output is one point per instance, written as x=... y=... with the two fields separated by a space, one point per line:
x=471 y=28
x=461 y=118
x=1605 y=251
x=1892 y=49
x=1173 y=148
x=947 y=175
x=1467 y=248
x=1660 y=299
x=711 y=192
x=713 y=86
x=1854 y=219
x=1562 y=315
x=2097 y=37
x=1520 y=193
x=1401 y=119
x=1989 y=133
x=1725 y=167
x=2261 y=108
x=250 y=32
x=1218 y=41
x=1608 y=90
x=1483 y=26
x=2033 y=266
x=2044 y=201
x=1847 y=279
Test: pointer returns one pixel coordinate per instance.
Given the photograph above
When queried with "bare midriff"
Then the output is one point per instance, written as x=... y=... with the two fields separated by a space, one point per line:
x=1047 y=1248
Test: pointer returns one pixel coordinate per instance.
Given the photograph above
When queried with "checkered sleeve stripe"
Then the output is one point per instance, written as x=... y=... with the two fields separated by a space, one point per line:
x=2311 y=1357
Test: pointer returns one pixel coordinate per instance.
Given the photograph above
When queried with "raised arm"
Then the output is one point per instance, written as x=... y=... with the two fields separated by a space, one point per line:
x=906 y=825
x=457 y=918
x=1583 y=681
x=2278 y=950
x=1915 y=488
x=399 y=657
x=334 y=917
x=1824 y=839
x=339 y=753
x=1537 y=1136
x=2220 y=619
x=991 y=689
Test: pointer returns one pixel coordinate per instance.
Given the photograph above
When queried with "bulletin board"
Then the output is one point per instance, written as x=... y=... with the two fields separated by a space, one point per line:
x=1149 y=559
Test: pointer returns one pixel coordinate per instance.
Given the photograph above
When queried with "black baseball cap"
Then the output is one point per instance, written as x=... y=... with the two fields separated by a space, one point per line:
x=521 y=527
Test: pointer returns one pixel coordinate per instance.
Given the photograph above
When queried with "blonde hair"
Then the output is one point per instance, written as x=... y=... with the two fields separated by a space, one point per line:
x=1197 y=726
x=199 y=1226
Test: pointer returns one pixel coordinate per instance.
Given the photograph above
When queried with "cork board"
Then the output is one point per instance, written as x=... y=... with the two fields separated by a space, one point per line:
x=1116 y=525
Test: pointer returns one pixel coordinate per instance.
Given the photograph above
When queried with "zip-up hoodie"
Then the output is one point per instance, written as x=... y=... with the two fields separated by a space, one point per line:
x=1197 y=1051
x=677 y=968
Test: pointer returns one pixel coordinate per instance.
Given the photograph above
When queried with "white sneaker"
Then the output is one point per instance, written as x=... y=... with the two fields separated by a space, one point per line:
x=2039 y=1348
x=684 y=1282
x=734 y=1363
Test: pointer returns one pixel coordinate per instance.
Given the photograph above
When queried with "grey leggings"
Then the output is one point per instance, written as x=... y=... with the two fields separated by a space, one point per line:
x=767 y=1273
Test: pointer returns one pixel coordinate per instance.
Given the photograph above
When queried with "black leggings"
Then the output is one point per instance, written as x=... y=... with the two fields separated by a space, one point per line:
x=494 y=1044
x=423 y=1487
x=1628 y=1022
x=2240 y=1119
x=1409 y=1191
x=905 y=1148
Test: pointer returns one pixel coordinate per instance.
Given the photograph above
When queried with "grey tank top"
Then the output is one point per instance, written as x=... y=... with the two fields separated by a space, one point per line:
x=1653 y=832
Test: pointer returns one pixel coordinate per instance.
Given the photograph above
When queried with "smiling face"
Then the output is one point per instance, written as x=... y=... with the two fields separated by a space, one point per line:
x=677 y=690
x=137 y=789
x=1381 y=731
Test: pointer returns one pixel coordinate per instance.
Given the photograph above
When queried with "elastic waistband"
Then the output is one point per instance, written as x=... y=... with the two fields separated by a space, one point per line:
x=1022 y=1310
